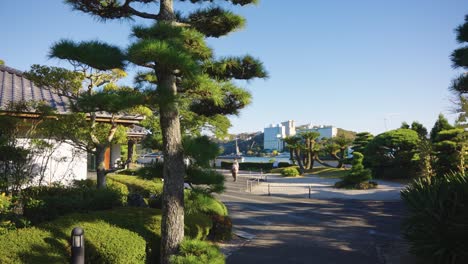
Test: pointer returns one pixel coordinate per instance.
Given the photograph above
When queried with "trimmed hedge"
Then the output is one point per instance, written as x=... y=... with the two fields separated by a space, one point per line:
x=254 y=166
x=46 y=203
x=199 y=202
x=138 y=185
x=198 y=252
x=123 y=235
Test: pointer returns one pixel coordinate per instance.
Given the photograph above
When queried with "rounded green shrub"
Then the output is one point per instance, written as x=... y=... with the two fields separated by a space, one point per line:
x=200 y=202
x=138 y=185
x=290 y=172
x=437 y=222
x=198 y=252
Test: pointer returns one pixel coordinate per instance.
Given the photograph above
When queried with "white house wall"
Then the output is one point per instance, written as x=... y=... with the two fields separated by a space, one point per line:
x=61 y=163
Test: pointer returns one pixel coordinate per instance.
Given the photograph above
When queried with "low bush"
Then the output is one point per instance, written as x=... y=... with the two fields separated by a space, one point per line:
x=46 y=203
x=150 y=171
x=200 y=202
x=122 y=235
x=358 y=177
x=290 y=172
x=254 y=166
x=198 y=252
x=222 y=228
x=197 y=226
x=138 y=185
x=437 y=222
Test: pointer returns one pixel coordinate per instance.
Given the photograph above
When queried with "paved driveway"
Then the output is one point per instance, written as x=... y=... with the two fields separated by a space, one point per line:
x=301 y=230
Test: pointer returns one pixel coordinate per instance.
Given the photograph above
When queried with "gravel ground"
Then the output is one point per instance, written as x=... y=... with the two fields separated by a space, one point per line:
x=322 y=188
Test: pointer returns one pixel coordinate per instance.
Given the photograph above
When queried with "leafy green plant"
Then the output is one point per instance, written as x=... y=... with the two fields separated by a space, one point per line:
x=138 y=185
x=437 y=222
x=358 y=177
x=198 y=252
x=46 y=203
x=289 y=172
x=222 y=228
x=201 y=202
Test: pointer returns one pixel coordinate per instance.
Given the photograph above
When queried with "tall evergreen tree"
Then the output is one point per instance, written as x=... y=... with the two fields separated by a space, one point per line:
x=309 y=148
x=440 y=125
x=361 y=141
x=181 y=69
x=460 y=84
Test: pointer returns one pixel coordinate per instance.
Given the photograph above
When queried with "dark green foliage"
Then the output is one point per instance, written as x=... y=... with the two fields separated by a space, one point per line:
x=113 y=101
x=437 y=222
x=440 y=125
x=242 y=68
x=200 y=202
x=201 y=150
x=392 y=154
x=138 y=185
x=61 y=80
x=290 y=172
x=228 y=102
x=123 y=235
x=96 y=54
x=222 y=228
x=361 y=141
x=450 y=148
x=198 y=252
x=235 y=2
x=254 y=166
x=200 y=225
x=150 y=171
x=419 y=128
x=215 y=21
x=460 y=57
x=47 y=203
x=405 y=125
x=212 y=180
x=460 y=84
x=358 y=176
x=462 y=31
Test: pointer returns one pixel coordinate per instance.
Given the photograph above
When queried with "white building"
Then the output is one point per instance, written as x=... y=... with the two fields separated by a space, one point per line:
x=62 y=162
x=325 y=131
x=274 y=134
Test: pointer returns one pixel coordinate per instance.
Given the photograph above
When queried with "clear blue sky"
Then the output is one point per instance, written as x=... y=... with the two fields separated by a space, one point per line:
x=352 y=64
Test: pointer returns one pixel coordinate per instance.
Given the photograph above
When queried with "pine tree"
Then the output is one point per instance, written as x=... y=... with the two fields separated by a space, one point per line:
x=181 y=69
x=440 y=125
x=460 y=84
x=361 y=141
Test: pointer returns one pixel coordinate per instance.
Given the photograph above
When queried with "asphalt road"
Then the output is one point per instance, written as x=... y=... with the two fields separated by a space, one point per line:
x=285 y=230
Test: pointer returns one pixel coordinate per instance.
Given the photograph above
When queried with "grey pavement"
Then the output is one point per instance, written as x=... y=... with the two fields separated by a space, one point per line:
x=301 y=230
x=322 y=188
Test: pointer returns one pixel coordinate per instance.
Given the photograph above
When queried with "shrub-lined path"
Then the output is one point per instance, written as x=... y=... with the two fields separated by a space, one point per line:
x=300 y=230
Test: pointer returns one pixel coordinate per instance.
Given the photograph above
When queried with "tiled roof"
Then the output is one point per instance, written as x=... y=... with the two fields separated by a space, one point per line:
x=14 y=87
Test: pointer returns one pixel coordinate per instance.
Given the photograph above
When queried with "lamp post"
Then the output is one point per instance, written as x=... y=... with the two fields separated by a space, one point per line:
x=77 y=246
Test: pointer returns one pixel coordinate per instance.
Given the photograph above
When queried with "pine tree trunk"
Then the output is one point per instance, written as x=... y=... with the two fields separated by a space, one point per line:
x=100 y=166
x=172 y=226
x=299 y=161
x=130 y=146
x=291 y=156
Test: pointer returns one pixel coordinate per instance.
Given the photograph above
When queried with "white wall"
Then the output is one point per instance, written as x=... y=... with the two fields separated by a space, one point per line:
x=61 y=163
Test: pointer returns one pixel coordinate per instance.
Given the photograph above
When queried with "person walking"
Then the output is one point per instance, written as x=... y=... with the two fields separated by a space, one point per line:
x=235 y=169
